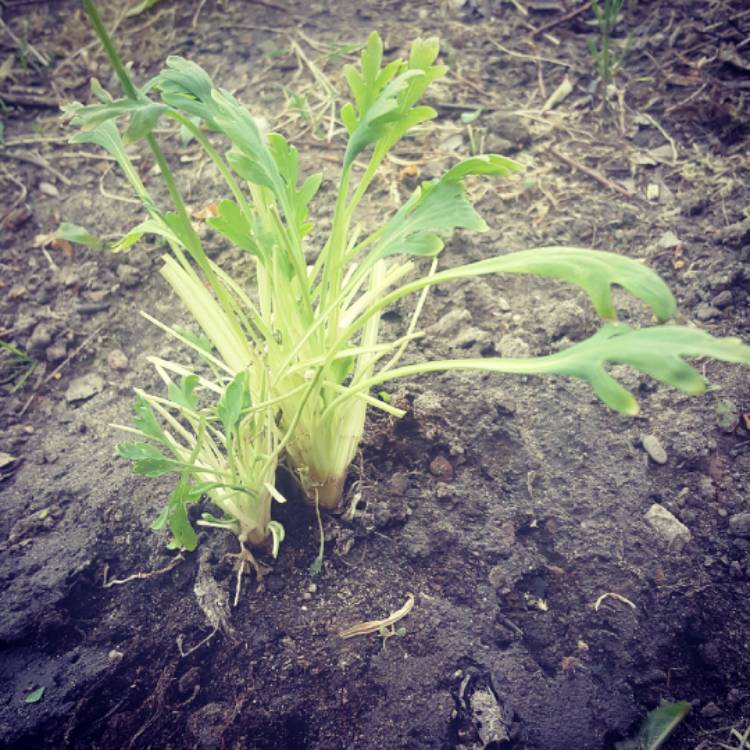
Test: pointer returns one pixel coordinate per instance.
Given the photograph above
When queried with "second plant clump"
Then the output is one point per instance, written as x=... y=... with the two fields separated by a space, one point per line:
x=284 y=369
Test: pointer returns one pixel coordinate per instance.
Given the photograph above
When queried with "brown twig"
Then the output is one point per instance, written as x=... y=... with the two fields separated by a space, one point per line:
x=598 y=176
x=19 y=200
x=39 y=161
x=561 y=19
x=29 y=100
x=24 y=45
x=54 y=372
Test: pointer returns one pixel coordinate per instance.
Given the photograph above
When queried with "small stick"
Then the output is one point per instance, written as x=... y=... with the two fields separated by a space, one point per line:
x=600 y=178
x=30 y=100
x=666 y=135
x=39 y=161
x=619 y=597
x=203 y=642
x=19 y=200
x=30 y=47
x=197 y=13
x=535 y=58
x=75 y=353
x=561 y=19
x=373 y=626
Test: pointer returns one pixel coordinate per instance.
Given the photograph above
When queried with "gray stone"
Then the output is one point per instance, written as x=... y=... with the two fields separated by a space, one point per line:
x=654 y=448
x=723 y=299
x=670 y=529
x=56 y=352
x=6 y=459
x=450 y=323
x=128 y=275
x=566 y=319
x=49 y=189
x=668 y=240
x=739 y=524
x=710 y=711
x=40 y=339
x=707 y=312
x=117 y=360
x=512 y=346
x=84 y=387
x=489 y=719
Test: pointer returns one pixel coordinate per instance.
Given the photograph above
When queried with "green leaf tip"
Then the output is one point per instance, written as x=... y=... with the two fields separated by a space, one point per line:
x=657 y=726
x=657 y=351
x=35 y=695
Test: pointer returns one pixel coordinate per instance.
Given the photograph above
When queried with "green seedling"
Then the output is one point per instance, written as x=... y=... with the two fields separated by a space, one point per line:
x=390 y=631
x=300 y=347
x=16 y=366
x=35 y=695
x=605 y=59
x=657 y=726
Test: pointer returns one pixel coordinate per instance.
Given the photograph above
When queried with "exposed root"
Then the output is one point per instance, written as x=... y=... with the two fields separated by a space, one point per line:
x=186 y=652
x=245 y=558
x=108 y=583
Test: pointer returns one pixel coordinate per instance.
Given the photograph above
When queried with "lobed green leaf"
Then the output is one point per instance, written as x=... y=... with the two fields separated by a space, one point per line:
x=175 y=514
x=438 y=207
x=146 y=422
x=184 y=393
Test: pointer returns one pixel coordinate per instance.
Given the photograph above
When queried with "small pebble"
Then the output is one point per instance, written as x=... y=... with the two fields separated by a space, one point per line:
x=739 y=524
x=117 y=360
x=668 y=527
x=56 y=352
x=706 y=312
x=441 y=468
x=128 y=275
x=6 y=459
x=668 y=240
x=723 y=299
x=49 y=189
x=654 y=448
x=710 y=711
x=84 y=387
x=17 y=292
x=40 y=339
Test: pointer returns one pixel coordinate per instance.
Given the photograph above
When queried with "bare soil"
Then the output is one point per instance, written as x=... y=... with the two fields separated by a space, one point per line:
x=549 y=613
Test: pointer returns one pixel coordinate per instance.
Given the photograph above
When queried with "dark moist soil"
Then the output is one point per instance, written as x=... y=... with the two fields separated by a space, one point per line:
x=549 y=613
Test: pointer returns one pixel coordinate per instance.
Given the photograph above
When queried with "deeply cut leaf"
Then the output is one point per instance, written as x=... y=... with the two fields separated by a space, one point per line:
x=657 y=351
x=436 y=207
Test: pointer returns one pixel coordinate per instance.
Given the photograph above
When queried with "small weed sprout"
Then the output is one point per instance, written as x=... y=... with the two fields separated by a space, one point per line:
x=16 y=366
x=288 y=367
x=606 y=61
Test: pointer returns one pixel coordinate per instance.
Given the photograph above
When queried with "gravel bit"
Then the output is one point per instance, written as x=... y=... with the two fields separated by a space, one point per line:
x=667 y=527
x=654 y=448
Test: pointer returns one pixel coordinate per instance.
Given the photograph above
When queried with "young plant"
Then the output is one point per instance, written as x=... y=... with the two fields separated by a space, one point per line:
x=304 y=339
x=226 y=450
x=605 y=60
x=16 y=366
